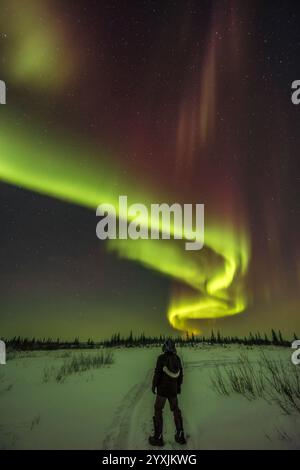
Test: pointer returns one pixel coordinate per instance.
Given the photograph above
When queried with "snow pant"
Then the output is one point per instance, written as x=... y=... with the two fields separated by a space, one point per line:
x=158 y=413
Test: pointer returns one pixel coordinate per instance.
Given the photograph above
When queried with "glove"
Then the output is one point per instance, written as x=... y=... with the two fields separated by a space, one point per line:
x=154 y=389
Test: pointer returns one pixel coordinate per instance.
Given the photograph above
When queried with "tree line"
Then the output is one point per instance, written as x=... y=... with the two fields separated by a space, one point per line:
x=131 y=340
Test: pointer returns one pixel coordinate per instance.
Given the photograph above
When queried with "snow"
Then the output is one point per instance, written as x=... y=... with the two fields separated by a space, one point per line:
x=112 y=407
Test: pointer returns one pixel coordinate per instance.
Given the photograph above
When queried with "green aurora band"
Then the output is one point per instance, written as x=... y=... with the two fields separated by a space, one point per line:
x=210 y=282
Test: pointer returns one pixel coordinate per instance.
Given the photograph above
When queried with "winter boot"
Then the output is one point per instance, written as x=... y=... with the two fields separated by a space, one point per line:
x=157 y=439
x=180 y=438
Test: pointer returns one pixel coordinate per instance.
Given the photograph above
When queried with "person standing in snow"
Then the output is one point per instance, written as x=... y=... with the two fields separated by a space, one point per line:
x=166 y=384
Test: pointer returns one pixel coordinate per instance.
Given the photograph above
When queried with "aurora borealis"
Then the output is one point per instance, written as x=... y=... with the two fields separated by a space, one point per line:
x=173 y=102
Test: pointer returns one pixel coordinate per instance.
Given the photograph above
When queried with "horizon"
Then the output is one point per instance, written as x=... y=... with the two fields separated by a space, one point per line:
x=215 y=335
x=170 y=123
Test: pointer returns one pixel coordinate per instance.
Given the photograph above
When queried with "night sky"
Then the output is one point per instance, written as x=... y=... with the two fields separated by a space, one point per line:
x=163 y=101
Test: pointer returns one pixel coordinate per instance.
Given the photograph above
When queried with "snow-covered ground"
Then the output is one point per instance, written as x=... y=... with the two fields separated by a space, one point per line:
x=112 y=407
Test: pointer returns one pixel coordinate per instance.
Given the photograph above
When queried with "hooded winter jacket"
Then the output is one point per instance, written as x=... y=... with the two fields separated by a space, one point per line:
x=168 y=375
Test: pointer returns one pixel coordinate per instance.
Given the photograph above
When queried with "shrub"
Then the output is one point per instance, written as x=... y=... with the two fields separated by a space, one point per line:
x=274 y=381
x=77 y=364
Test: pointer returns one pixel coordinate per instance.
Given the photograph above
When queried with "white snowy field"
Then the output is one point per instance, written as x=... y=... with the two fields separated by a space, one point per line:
x=112 y=407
